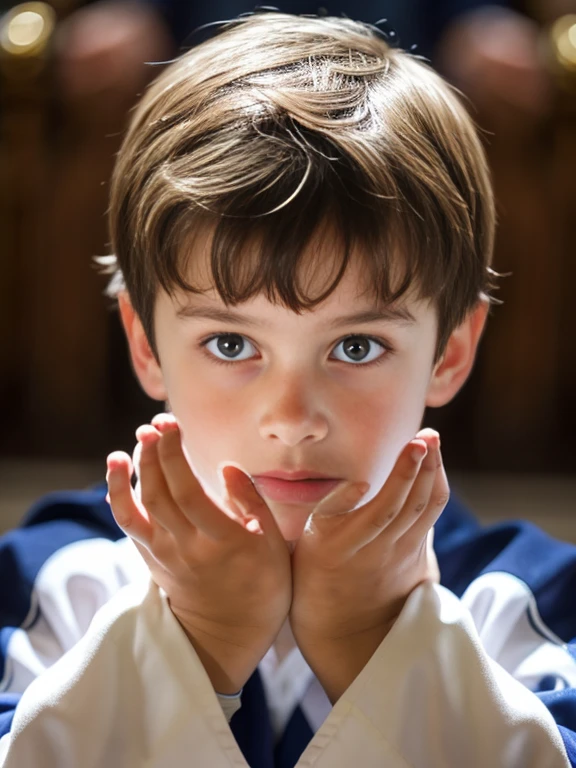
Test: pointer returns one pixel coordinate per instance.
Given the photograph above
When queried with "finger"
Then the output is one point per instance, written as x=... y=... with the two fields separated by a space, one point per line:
x=341 y=501
x=420 y=493
x=370 y=520
x=186 y=491
x=233 y=496
x=155 y=493
x=129 y=515
x=163 y=421
x=332 y=514
x=243 y=492
x=438 y=499
x=386 y=506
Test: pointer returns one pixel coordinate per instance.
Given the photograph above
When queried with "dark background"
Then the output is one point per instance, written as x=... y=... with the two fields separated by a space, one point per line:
x=66 y=386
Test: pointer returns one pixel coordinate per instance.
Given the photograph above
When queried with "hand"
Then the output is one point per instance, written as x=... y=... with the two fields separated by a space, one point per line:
x=353 y=570
x=226 y=574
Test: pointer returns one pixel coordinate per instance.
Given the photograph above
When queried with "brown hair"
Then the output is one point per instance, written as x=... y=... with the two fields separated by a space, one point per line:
x=280 y=125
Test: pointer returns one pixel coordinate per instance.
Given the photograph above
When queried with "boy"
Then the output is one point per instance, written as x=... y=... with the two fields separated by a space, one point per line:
x=303 y=223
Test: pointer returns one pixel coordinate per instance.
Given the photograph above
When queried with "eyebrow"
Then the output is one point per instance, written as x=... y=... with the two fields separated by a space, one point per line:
x=398 y=315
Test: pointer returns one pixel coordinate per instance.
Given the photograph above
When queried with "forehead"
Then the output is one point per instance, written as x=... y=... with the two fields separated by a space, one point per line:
x=352 y=301
x=309 y=273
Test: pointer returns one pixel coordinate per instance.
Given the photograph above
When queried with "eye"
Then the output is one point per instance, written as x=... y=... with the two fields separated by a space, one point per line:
x=361 y=350
x=229 y=347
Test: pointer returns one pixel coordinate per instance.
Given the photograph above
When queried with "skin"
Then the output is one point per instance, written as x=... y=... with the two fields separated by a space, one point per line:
x=236 y=566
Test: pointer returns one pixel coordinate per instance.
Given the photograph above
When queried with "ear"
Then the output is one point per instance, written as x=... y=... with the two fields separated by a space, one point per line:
x=454 y=367
x=146 y=366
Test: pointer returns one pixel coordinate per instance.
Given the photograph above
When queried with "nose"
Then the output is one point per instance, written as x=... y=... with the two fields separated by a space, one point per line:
x=292 y=411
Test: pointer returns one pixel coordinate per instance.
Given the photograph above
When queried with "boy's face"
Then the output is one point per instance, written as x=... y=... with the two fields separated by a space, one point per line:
x=278 y=391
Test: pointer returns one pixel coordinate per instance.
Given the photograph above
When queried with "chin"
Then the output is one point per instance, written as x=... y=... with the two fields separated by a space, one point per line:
x=291 y=520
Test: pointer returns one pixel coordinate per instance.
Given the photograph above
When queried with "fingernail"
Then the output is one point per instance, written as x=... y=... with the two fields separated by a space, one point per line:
x=419 y=452
x=341 y=499
x=147 y=434
x=254 y=526
x=166 y=426
x=163 y=418
x=225 y=464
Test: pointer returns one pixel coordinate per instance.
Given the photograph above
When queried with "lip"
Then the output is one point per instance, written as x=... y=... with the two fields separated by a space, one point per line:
x=299 y=491
x=301 y=474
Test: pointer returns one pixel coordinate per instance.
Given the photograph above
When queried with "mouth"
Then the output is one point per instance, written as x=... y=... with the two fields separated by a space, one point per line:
x=300 y=491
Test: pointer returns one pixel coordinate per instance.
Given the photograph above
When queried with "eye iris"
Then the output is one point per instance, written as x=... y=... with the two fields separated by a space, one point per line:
x=356 y=348
x=230 y=345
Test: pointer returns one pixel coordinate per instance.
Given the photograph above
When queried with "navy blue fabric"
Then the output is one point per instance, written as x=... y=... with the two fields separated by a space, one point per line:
x=251 y=725
x=8 y=703
x=53 y=522
x=294 y=740
x=562 y=705
x=569 y=739
x=253 y=731
x=547 y=566
x=87 y=507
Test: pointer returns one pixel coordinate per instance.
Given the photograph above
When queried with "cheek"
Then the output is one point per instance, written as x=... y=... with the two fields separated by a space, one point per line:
x=214 y=428
x=205 y=420
x=379 y=425
x=208 y=431
x=201 y=407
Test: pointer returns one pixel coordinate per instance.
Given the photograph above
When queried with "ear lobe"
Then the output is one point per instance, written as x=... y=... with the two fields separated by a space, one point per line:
x=144 y=362
x=454 y=367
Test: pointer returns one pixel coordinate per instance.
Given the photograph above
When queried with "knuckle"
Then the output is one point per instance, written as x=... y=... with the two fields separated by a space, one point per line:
x=408 y=473
x=147 y=456
x=384 y=519
x=378 y=524
x=420 y=507
x=442 y=500
x=188 y=552
x=181 y=497
x=151 y=499
x=167 y=455
x=161 y=546
x=169 y=445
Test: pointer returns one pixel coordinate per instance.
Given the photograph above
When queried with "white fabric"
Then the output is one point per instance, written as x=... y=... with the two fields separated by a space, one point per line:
x=72 y=585
x=513 y=633
x=230 y=703
x=131 y=693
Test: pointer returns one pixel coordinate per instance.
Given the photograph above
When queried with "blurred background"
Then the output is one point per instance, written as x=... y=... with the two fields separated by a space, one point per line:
x=70 y=73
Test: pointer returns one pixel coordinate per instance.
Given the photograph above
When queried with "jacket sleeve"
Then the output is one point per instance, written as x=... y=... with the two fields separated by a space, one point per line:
x=479 y=671
x=96 y=669
x=473 y=673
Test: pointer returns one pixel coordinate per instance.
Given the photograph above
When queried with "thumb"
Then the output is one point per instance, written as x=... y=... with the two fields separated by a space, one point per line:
x=244 y=495
x=342 y=500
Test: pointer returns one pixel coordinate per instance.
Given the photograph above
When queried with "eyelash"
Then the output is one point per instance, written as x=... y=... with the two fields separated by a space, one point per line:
x=388 y=349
